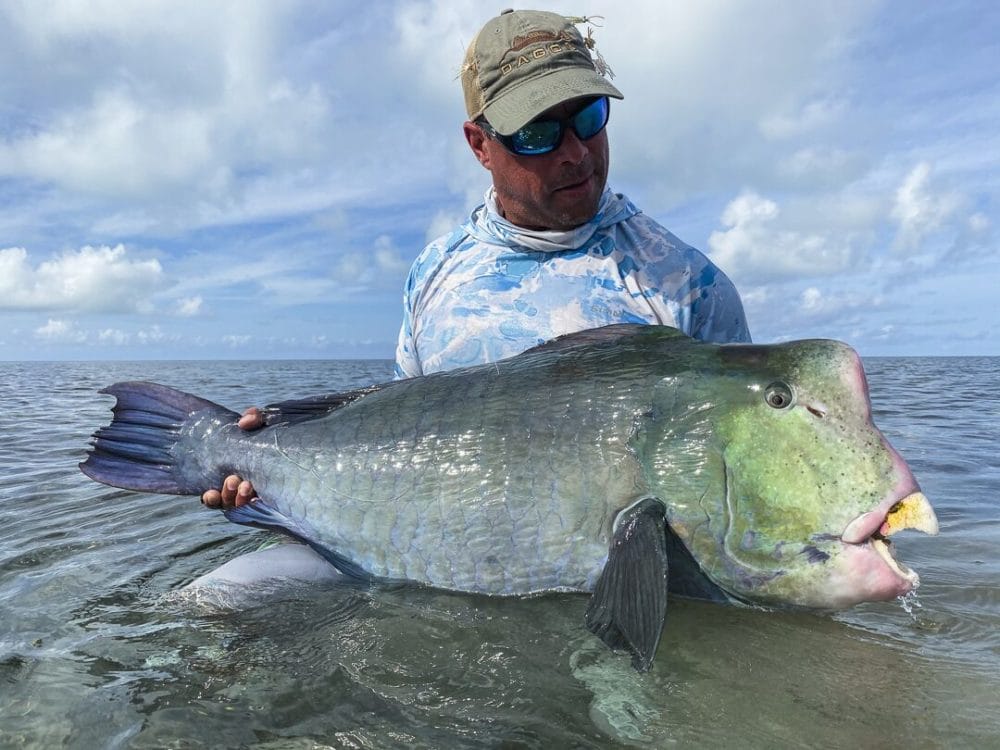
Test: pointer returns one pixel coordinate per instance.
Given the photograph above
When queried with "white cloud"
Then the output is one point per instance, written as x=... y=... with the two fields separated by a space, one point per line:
x=810 y=116
x=91 y=278
x=918 y=210
x=189 y=306
x=382 y=266
x=708 y=103
x=387 y=256
x=164 y=102
x=114 y=146
x=113 y=336
x=817 y=166
x=443 y=223
x=61 y=332
x=818 y=305
x=980 y=223
x=754 y=247
x=236 y=341
x=154 y=335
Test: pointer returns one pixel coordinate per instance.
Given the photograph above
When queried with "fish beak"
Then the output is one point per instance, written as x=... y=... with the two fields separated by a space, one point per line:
x=912 y=512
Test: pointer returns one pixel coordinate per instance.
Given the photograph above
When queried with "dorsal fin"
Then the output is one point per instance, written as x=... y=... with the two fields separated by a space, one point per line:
x=302 y=410
x=608 y=334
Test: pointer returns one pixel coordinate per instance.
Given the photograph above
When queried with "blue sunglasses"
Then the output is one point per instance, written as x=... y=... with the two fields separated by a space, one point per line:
x=543 y=136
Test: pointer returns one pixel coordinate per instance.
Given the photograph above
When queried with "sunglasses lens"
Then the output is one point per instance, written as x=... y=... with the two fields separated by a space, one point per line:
x=537 y=137
x=591 y=120
x=542 y=136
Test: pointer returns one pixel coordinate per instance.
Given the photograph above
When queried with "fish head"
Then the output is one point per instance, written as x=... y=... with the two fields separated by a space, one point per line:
x=790 y=492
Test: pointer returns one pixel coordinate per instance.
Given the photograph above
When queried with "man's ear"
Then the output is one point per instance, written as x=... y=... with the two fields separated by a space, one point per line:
x=477 y=139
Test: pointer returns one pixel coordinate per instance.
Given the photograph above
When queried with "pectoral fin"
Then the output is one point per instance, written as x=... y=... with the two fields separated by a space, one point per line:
x=629 y=603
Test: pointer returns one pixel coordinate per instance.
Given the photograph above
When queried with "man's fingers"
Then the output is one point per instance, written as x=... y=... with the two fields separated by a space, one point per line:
x=230 y=486
x=244 y=494
x=252 y=419
x=235 y=492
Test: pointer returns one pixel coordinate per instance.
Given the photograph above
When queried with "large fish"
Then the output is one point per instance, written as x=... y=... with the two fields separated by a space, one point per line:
x=622 y=461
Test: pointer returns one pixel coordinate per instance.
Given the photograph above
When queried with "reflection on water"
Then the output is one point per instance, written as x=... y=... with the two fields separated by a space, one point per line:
x=96 y=650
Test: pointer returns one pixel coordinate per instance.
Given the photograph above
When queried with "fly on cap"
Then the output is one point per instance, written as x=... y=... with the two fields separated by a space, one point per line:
x=523 y=62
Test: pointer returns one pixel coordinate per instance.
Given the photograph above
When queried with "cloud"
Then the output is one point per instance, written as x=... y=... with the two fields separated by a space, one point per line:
x=821 y=167
x=60 y=332
x=154 y=335
x=237 y=341
x=693 y=121
x=115 y=146
x=755 y=248
x=443 y=222
x=113 y=336
x=189 y=307
x=387 y=256
x=818 y=305
x=174 y=104
x=979 y=223
x=89 y=279
x=381 y=267
x=810 y=116
x=918 y=210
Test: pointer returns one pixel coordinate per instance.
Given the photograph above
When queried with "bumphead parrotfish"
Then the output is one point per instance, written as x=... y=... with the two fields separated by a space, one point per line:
x=623 y=461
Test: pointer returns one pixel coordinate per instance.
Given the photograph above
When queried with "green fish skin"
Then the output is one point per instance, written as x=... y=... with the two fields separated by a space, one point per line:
x=748 y=473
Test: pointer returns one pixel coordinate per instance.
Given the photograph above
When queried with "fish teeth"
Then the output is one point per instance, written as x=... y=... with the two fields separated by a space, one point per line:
x=885 y=552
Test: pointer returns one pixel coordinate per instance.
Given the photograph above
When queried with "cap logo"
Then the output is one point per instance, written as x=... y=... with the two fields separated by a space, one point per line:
x=558 y=43
x=520 y=42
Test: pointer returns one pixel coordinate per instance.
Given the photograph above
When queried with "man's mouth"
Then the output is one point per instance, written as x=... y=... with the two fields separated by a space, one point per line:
x=582 y=182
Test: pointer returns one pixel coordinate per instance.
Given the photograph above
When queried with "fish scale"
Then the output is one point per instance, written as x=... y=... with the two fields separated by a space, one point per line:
x=494 y=550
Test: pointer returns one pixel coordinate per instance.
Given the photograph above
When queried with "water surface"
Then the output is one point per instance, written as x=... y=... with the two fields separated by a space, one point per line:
x=96 y=651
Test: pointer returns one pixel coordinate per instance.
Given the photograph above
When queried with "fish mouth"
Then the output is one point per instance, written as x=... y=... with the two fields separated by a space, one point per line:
x=874 y=528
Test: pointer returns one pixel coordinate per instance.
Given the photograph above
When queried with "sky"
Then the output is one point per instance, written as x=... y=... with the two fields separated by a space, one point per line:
x=202 y=179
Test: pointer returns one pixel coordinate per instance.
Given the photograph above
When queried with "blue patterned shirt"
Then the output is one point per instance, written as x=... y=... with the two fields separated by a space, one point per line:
x=490 y=290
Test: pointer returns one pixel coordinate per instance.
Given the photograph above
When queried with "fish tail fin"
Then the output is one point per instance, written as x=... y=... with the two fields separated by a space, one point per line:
x=135 y=451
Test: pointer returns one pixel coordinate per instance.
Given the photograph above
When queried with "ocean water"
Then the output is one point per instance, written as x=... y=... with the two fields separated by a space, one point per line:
x=97 y=652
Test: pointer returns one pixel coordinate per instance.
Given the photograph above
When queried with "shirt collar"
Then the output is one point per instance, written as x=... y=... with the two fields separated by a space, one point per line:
x=486 y=224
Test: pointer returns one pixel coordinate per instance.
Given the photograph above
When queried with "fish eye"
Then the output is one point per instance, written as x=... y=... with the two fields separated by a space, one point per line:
x=778 y=395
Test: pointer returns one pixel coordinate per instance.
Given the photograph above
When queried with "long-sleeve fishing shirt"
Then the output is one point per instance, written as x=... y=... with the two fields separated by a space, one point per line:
x=490 y=290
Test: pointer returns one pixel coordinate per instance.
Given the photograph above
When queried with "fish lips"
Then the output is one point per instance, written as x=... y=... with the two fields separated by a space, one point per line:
x=866 y=538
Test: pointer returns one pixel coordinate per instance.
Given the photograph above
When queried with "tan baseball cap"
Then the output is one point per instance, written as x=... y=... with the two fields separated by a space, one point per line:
x=523 y=62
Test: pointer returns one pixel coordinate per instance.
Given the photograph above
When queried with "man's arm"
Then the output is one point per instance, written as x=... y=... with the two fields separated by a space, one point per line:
x=718 y=315
x=407 y=363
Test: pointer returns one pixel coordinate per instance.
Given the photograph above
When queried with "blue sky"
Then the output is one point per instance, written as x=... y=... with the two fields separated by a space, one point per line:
x=248 y=180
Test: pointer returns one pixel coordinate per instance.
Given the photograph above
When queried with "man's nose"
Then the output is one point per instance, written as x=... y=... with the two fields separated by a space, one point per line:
x=572 y=149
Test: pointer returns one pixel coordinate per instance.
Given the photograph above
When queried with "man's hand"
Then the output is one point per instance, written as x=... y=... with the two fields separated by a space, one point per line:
x=252 y=419
x=236 y=491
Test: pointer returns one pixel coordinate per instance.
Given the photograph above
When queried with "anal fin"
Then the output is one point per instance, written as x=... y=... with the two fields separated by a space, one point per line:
x=264 y=516
x=629 y=603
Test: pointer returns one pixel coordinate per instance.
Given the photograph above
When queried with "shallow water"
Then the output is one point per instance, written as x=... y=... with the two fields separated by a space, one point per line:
x=96 y=650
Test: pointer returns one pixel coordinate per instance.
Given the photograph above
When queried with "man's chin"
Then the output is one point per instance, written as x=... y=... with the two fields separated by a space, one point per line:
x=577 y=204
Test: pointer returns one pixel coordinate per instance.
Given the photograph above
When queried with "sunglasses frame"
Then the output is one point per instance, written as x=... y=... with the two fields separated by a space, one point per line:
x=508 y=141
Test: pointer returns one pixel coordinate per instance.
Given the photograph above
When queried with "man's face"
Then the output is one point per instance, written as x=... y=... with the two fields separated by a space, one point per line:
x=557 y=190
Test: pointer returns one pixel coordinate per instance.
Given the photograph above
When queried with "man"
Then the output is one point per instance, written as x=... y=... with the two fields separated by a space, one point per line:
x=552 y=250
